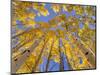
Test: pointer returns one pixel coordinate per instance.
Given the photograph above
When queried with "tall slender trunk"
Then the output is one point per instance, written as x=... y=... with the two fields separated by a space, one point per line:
x=32 y=48
x=90 y=56
x=66 y=57
x=24 y=43
x=48 y=59
x=28 y=66
x=39 y=57
x=61 y=58
x=24 y=32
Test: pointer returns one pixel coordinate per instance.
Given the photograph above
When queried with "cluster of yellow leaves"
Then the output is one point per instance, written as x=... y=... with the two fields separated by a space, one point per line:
x=38 y=32
x=72 y=21
x=56 y=8
x=67 y=8
x=51 y=34
x=55 y=55
x=20 y=13
x=91 y=11
x=44 y=25
x=41 y=9
x=79 y=9
x=27 y=34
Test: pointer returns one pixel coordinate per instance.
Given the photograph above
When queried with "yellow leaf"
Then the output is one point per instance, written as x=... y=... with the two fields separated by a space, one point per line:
x=44 y=12
x=56 y=8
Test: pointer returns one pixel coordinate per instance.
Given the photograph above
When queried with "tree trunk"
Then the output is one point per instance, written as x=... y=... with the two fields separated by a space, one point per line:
x=39 y=57
x=48 y=60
